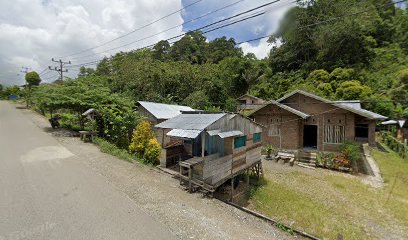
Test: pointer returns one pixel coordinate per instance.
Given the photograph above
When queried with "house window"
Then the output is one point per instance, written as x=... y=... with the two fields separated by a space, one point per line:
x=334 y=134
x=239 y=142
x=257 y=137
x=273 y=130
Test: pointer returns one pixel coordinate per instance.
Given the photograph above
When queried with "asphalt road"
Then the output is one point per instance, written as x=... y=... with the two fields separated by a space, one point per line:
x=46 y=192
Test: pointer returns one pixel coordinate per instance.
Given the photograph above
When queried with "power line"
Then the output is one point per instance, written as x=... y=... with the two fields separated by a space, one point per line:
x=168 y=29
x=197 y=29
x=60 y=69
x=325 y=21
x=258 y=38
x=135 y=30
x=244 y=18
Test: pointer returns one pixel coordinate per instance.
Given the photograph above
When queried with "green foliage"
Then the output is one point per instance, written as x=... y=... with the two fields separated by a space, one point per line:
x=394 y=144
x=112 y=149
x=152 y=152
x=351 y=150
x=13 y=90
x=350 y=90
x=197 y=100
x=32 y=78
x=141 y=137
x=319 y=76
x=118 y=118
x=144 y=144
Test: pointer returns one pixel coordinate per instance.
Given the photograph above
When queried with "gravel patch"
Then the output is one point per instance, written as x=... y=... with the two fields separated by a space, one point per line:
x=188 y=216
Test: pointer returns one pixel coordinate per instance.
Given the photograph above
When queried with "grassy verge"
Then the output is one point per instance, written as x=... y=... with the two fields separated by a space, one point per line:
x=112 y=149
x=329 y=204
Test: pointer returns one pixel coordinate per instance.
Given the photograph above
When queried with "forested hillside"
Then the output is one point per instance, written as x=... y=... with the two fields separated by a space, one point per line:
x=337 y=49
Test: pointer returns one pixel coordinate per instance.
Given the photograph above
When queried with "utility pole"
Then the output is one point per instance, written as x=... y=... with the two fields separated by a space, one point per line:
x=25 y=70
x=60 y=68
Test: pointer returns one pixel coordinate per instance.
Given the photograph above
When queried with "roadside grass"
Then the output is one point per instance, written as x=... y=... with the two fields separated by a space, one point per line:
x=332 y=204
x=109 y=148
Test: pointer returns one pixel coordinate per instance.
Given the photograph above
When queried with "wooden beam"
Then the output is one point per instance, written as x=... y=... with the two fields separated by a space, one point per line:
x=202 y=143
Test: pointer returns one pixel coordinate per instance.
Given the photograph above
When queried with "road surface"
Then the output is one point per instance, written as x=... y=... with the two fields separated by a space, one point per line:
x=46 y=192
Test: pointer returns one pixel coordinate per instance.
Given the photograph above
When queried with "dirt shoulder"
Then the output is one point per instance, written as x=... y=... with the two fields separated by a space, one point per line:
x=188 y=216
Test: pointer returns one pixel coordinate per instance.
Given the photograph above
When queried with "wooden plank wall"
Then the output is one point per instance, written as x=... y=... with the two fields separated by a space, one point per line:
x=217 y=169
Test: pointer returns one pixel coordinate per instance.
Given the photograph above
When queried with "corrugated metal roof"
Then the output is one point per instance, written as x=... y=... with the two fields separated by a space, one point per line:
x=164 y=111
x=213 y=132
x=287 y=108
x=389 y=122
x=341 y=104
x=191 y=121
x=230 y=134
x=351 y=103
x=182 y=133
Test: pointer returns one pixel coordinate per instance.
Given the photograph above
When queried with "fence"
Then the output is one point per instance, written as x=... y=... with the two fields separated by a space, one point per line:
x=394 y=144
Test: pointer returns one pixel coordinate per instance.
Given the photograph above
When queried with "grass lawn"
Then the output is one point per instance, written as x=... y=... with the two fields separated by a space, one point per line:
x=326 y=203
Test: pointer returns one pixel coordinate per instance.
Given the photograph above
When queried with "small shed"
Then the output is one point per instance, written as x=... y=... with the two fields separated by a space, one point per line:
x=211 y=148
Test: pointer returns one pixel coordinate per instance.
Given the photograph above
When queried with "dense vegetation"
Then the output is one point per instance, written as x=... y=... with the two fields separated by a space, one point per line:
x=361 y=56
x=357 y=57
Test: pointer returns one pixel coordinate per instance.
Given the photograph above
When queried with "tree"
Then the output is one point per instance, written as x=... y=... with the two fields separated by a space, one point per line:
x=319 y=76
x=83 y=71
x=32 y=78
x=197 y=100
x=190 y=48
x=221 y=48
x=161 y=50
x=352 y=90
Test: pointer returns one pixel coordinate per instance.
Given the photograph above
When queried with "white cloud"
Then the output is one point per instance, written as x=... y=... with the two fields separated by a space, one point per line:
x=261 y=50
x=34 y=31
x=269 y=24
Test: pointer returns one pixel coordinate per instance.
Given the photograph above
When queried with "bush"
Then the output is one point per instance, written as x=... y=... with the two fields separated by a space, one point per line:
x=351 y=151
x=144 y=144
x=152 y=152
x=141 y=137
x=394 y=144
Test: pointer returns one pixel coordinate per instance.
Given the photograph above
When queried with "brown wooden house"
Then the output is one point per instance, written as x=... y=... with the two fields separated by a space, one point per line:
x=210 y=148
x=301 y=120
x=248 y=103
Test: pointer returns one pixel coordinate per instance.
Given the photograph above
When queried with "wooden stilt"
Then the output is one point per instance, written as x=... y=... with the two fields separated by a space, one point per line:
x=232 y=189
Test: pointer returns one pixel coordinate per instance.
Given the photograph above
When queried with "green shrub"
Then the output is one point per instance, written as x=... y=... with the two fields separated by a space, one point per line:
x=141 y=136
x=394 y=144
x=351 y=150
x=152 y=152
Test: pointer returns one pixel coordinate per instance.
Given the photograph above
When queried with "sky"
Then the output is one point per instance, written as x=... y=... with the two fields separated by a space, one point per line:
x=35 y=31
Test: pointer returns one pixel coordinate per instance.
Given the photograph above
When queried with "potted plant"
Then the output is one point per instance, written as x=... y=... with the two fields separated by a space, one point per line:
x=269 y=150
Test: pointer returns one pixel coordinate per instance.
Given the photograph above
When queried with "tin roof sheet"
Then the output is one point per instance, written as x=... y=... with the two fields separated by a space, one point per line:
x=182 y=133
x=230 y=134
x=164 y=111
x=191 y=121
